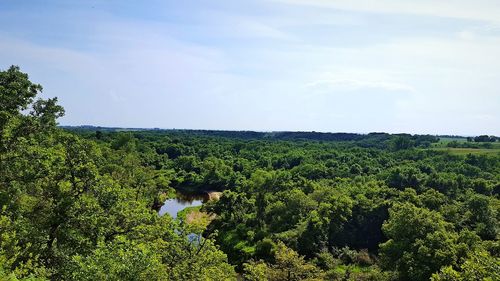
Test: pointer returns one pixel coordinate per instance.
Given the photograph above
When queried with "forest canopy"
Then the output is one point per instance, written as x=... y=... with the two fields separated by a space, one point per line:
x=82 y=203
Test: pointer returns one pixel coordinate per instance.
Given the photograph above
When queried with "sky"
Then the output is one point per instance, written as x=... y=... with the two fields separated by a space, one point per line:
x=421 y=66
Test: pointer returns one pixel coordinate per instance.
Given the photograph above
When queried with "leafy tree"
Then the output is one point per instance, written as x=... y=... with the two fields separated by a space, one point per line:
x=484 y=138
x=407 y=176
x=403 y=142
x=288 y=266
x=479 y=266
x=420 y=242
x=482 y=217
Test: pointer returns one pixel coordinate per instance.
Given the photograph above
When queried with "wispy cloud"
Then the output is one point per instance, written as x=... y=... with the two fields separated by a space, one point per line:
x=481 y=10
x=416 y=66
x=343 y=84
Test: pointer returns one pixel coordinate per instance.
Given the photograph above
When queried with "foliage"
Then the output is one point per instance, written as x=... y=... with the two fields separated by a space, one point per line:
x=74 y=209
x=479 y=266
x=81 y=204
x=288 y=266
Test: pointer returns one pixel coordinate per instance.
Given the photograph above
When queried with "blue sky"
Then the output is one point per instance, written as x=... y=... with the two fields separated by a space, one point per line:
x=421 y=66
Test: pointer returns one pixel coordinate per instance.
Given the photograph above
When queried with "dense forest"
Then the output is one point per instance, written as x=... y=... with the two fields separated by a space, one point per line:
x=82 y=203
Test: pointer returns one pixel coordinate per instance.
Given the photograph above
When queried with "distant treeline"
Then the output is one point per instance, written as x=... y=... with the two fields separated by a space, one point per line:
x=381 y=140
x=484 y=138
x=456 y=144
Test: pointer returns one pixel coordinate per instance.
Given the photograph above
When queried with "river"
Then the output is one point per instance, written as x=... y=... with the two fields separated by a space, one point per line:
x=180 y=202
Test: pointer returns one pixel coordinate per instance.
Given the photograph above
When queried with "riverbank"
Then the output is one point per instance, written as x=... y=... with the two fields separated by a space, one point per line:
x=214 y=195
x=195 y=217
x=187 y=205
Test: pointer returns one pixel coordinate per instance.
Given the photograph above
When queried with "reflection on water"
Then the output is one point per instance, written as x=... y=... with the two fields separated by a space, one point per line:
x=190 y=197
x=182 y=200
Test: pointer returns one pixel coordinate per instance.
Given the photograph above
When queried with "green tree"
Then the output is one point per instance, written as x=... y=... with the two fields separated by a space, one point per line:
x=288 y=266
x=479 y=266
x=420 y=242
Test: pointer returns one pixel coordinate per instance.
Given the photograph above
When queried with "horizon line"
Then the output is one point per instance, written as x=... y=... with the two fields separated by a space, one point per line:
x=266 y=131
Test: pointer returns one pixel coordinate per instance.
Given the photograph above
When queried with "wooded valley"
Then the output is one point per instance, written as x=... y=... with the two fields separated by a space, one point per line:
x=81 y=203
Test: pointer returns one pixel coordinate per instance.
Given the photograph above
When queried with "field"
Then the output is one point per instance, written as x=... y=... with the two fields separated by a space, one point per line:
x=465 y=151
x=442 y=145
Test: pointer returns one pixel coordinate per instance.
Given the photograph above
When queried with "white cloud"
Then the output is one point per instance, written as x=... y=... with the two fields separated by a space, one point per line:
x=352 y=84
x=239 y=26
x=135 y=79
x=482 y=10
x=265 y=70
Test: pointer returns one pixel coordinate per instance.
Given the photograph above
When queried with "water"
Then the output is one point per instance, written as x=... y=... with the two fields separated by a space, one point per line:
x=175 y=205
